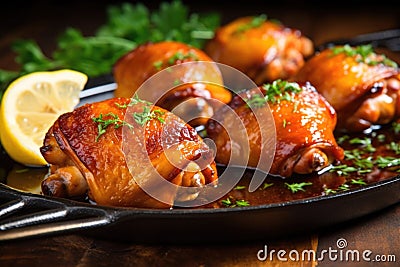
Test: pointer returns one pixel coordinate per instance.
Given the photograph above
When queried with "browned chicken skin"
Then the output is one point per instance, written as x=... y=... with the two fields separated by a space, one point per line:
x=363 y=88
x=135 y=67
x=87 y=155
x=304 y=123
x=262 y=49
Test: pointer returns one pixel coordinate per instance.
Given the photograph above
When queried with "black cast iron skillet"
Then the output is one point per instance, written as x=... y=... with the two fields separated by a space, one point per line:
x=27 y=215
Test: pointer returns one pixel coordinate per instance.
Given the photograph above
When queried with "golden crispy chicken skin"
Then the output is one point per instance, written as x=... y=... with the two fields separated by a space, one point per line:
x=86 y=153
x=304 y=123
x=135 y=67
x=362 y=86
x=262 y=49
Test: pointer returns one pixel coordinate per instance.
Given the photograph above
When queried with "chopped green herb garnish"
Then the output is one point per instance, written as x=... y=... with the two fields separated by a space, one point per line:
x=343 y=169
x=358 y=181
x=179 y=56
x=158 y=65
x=285 y=123
x=344 y=187
x=396 y=127
x=227 y=202
x=266 y=185
x=295 y=106
x=364 y=54
x=238 y=203
x=177 y=82
x=254 y=23
x=256 y=101
x=145 y=116
x=103 y=121
x=275 y=92
x=387 y=162
x=342 y=139
x=395 y=147
x=121 y=105
x=136 y=100
x=381 y=138
x=280 y=90
x=359 y=162
x=329 y=191
x=366 y=144
x=239 y=187
x=295 y=187
x=242 y=203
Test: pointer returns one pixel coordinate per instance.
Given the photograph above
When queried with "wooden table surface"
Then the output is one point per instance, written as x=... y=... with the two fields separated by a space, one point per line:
x=378 y=232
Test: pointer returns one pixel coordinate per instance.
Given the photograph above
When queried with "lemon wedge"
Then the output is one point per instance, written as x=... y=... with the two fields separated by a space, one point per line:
x=30 y=106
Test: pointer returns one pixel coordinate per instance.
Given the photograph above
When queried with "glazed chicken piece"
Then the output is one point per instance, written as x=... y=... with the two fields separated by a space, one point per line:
x=304 y=123
x=137 y=66
x=98 y=151
x=362 y=86
x=264 y=50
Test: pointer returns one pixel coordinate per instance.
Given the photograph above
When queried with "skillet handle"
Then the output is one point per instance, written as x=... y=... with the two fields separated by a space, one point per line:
x=34 y=216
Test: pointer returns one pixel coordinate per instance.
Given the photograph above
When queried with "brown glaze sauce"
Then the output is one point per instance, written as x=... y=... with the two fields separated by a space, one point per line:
x=366 y=154
x=370 y=157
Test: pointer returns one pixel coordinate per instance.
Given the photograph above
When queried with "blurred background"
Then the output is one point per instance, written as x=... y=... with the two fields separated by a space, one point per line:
x=44 y=21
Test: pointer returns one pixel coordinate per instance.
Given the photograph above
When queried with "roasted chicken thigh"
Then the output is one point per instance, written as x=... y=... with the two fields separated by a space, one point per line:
x=190 y=85
x=96 y=150
x=304 y=123
x=362 y=86
x=264 y=50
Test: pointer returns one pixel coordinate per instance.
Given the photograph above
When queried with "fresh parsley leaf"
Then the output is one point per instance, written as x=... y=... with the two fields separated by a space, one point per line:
x=128 y=25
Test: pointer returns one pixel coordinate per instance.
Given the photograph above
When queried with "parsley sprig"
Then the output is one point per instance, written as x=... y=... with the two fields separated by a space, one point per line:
x=128 y=25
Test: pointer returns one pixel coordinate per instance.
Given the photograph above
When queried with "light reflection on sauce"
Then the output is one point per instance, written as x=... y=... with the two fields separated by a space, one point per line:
x=26 y=179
